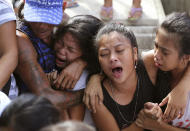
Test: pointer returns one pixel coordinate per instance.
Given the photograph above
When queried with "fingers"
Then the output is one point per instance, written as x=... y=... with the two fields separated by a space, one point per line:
x=55 y=75
x=181 y=113
x=58 y=81
x=68 y=83
x=100 y=98
x=149 y=105
x=73 y=84
x=172 y=113
x=92 y=102
x=86 y=100
x=139 y=123
x=153 y=113
x=164 y=101
x=167 y=112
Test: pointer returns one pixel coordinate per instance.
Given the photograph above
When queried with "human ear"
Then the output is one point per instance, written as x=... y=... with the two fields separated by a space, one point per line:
x=186 y=59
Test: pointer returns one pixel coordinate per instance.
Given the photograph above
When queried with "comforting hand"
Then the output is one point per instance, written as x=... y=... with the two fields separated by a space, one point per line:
x=93 y=90
x=150 y=117
x=52 y=76
x=70 y=75
x=176 y=100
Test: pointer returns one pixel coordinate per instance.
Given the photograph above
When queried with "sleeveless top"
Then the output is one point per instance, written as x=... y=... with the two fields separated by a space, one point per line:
x=162 y=86
x=144 y=93
x=46 y=57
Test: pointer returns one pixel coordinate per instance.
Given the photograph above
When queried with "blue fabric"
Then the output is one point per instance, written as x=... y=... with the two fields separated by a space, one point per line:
x=46 y=56
x=45 y=11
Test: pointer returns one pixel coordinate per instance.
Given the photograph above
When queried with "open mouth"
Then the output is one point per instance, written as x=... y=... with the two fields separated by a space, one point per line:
x=117 y=71
x=60 y=62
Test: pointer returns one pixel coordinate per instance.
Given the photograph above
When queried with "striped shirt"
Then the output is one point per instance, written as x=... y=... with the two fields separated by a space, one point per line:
x=6 y=11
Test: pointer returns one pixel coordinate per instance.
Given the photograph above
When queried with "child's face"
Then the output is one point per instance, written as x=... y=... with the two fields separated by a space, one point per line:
x=166 y=54
x=116 y=56
x=67 y=50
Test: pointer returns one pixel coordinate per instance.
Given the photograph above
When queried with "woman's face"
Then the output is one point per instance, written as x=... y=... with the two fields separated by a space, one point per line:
x=67 y=50
x=166 y=54
x=42 y=30
x=116 y=57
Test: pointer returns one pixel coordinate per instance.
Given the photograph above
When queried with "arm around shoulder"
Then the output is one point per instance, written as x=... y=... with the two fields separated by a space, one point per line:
x=28 y=69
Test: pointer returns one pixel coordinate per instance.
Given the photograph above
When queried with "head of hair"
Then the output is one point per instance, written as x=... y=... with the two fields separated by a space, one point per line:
x=119 y=28
x=83 y=28
x=69 y=126
x=29 y=113
x=179 y=24
x=20 y=8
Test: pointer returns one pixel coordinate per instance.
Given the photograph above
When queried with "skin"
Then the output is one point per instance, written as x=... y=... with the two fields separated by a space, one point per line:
x=166 y=52
x=30 y=71
x=116 y=51
x=8 y=51
x=174 y=100
x=67 y=50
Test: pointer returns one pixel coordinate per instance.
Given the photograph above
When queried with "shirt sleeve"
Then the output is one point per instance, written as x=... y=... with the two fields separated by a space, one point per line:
x=6 y=13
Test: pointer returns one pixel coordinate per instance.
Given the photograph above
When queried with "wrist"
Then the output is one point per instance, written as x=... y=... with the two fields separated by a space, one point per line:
x=81 y=63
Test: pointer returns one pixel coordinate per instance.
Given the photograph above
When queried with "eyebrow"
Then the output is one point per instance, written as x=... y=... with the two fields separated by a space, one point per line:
x=162 y=48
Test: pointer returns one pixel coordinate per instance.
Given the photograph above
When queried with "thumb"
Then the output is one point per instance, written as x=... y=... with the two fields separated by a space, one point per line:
x=164 y=101
x=149 y=105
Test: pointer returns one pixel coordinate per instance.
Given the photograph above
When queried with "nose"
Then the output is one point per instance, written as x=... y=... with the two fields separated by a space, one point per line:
x=62 y=51
x=113 y=58
x=157 y=54
x=45 y=26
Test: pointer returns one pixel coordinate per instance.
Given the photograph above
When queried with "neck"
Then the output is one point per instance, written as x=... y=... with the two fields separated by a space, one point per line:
x=177 y=74
x=128 y=85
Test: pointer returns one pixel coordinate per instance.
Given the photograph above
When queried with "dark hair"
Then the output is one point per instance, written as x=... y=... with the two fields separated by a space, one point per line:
x=29 y=113
x=120 y=28
x=179 y=23
x=20 y=8
x=84 y=29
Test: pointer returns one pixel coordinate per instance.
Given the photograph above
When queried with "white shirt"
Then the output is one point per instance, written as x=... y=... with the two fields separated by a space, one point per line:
x=4 y=101
x=184 y=122
x=6 y=11
x=81 y=83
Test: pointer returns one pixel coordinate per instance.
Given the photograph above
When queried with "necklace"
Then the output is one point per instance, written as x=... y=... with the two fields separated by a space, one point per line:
x=121 y=114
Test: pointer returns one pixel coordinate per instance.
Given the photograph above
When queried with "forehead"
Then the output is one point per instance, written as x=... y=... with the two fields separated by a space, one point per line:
x=164 y=38
x=112 y=39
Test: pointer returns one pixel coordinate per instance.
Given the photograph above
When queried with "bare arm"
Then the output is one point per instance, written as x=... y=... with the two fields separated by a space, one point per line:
x=93 y=90
x=8 y=51
x=70 y=75
x=36 y=80
x=104 y=120
x=181 y=91
x=176 y=100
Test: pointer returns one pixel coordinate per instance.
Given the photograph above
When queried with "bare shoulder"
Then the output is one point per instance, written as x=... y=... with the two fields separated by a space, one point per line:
x=25 y=46
x=148 y=59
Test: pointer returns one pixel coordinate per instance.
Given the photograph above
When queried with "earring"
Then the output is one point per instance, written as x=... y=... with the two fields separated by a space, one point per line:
x=135 y=64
